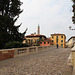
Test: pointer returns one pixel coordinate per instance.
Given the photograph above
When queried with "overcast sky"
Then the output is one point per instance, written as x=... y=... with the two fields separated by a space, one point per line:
x=53 y=16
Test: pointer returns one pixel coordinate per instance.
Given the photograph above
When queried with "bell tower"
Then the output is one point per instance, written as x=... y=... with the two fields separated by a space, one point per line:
x=38 y=31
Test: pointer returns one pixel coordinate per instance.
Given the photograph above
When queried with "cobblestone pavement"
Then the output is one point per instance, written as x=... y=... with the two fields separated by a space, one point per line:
x=50 y=62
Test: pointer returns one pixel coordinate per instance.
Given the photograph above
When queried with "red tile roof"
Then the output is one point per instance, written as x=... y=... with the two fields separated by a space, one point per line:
x=32 y=35
x=57 y=34
x=71 y=38
x=46 y=40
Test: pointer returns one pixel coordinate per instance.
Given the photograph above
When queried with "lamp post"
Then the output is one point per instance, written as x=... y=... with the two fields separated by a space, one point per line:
x=71 y=28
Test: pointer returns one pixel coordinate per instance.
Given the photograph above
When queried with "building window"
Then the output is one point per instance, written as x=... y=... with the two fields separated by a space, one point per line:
x=44 y=42
x=52 y=36
x=57 y=37
x=61 y=45
x=57 y=40
x=48 y=42
x=40 y=42
x=52 y=41
x=26 y=41
x=61 y=36
x=31 y=40
x=35 y=41
x=61 y=40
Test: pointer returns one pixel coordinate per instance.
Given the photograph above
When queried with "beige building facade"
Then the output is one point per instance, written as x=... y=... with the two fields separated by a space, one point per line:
x=33 y=39
x=71 y=42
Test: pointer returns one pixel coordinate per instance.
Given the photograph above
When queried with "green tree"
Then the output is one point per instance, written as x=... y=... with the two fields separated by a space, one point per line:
x=9 y=13
x=73 y=18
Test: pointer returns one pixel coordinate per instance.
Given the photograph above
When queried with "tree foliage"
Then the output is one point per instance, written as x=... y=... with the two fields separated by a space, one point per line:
x=15 y=44
x=73 y=18
x=9 y=13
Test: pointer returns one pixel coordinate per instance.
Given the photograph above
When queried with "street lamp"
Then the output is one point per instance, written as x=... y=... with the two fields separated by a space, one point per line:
x=71 y=28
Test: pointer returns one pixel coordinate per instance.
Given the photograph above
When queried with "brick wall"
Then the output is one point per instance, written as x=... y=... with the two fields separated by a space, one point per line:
x=6 y=54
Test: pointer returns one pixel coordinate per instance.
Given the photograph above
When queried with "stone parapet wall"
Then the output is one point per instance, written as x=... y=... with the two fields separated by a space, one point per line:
x=31 y=50
x=6 y=54
x=73 y=59
x=18 y=52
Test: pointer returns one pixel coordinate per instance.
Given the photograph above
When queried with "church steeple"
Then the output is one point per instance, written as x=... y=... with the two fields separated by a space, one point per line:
x=38 y=31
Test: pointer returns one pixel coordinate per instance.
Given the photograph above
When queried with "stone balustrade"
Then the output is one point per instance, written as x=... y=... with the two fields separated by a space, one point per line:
x=31 y=50
x=18 y=52
x=71 y=59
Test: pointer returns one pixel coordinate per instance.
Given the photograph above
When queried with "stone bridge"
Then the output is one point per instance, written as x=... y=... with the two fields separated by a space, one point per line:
x=49 y=62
